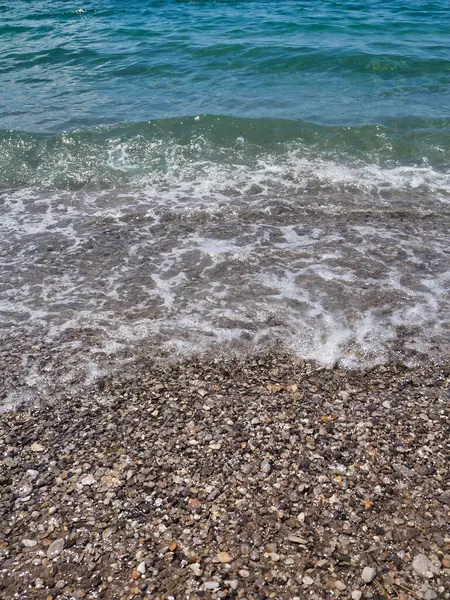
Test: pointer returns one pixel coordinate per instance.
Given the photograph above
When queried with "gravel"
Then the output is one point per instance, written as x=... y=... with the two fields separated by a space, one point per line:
x=136 y=488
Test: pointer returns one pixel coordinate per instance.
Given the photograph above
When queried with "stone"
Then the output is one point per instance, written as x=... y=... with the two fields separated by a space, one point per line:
x=356 y=595
x=29 y=543
x=195 y=568
x=55 y=548
x=141 y=568
x=244 y=573
x=444 y=498
x=340 y=585
x=307 y=580
x=88 y=480
x=211 y=585
x=36 y=447
x=403 y=471
x=368 y=574
x=274 y=556
x=430 y=594
x=224 y=557
x=194 y=504
x=421 y=565
x=265 y=466
x=295 y=539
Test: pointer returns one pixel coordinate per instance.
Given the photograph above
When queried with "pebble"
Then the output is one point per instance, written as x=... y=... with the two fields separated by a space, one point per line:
x=144 y=498
x=368 y=574
x=141 y=568
x=265 y=466
x=421 y=565
x=195 y=568
x=274 y=556
x=224 y=557
x=403 y=471
x=36 y=447
x=295 y=539
x=211 y=585
x=88 y=480
x=55 y=548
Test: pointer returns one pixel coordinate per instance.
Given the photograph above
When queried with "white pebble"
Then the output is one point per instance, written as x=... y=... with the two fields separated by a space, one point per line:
x=368 y=574
x=141 y=568
x=211 y=585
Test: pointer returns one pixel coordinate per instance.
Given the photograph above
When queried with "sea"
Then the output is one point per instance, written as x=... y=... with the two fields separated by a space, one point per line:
x=181 y=177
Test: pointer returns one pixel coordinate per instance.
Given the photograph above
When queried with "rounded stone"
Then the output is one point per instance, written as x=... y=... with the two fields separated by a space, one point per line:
x=368 y=574
x=55 y=548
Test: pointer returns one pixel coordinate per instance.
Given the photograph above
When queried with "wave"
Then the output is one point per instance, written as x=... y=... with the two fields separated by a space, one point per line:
x=229 y=152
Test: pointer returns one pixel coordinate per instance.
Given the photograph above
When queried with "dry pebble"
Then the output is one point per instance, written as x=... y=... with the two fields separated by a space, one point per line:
x=368 y=574
x=257 y=478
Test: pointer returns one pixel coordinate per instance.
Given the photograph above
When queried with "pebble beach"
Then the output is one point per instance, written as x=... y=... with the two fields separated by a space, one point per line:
x=255 y=477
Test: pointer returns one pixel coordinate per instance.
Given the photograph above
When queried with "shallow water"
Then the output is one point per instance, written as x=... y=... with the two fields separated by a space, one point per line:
x=179 y=175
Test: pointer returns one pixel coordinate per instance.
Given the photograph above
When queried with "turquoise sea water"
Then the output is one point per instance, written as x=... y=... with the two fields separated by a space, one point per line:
x=182 y=173
x=368 y=81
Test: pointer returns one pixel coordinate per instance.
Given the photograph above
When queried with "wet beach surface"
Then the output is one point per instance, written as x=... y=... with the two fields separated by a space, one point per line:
x=95 y=281
x=258 y=477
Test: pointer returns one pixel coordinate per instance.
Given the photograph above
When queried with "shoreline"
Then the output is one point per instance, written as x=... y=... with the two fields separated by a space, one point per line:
x=259 y=477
